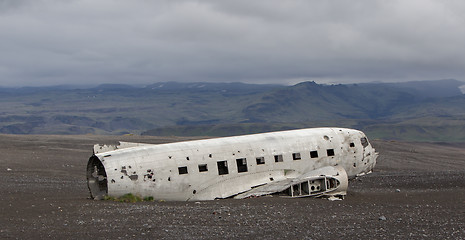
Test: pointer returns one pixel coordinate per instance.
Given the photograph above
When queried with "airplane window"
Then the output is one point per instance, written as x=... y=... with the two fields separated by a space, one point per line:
x=222 y=167
x=241 y=165
x=260 y=160
x=296 y=156
x=330 y=152
x=182 y=170
x=203 y=168
x=278 y=158
x=313 y=154
x=364 y=141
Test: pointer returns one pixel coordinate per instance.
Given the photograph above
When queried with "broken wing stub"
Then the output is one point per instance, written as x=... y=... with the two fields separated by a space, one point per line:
x=327 y=182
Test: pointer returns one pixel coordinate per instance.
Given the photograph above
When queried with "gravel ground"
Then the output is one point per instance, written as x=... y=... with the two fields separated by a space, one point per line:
x=417 y=191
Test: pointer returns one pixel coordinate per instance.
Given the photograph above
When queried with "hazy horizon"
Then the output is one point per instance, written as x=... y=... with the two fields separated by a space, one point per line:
x=140 y=85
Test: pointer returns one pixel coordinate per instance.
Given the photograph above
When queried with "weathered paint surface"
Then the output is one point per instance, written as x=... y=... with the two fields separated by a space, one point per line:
x=302 y=163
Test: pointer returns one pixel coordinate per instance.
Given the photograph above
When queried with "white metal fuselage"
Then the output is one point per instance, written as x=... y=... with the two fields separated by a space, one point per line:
x=224 y=167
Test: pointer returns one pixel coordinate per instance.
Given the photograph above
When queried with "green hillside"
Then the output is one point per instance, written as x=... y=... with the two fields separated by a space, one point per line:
x=417 y=111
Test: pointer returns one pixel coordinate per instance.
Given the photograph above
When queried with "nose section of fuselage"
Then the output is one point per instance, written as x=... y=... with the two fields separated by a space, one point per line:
x=371 y=157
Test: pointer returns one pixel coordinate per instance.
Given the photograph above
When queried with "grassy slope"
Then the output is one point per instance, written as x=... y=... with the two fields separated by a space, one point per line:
x=386 y=112
x=419 y=130
x=115 y=111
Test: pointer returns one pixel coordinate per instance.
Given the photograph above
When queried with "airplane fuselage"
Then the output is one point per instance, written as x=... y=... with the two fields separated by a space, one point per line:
x=224 y=167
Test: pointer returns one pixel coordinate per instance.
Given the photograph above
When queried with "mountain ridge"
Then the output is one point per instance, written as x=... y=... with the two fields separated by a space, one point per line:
x=219 y=108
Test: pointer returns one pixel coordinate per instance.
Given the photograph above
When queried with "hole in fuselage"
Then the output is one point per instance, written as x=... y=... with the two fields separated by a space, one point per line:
x=96 y=178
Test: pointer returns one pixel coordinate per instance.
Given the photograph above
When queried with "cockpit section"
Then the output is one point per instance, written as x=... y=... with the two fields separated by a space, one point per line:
x=364 y=142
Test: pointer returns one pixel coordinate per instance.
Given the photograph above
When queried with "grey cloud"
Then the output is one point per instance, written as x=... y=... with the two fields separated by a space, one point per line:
x=82 y=41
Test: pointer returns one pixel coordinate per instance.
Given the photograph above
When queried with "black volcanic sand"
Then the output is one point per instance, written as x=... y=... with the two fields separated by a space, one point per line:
x=416 y=192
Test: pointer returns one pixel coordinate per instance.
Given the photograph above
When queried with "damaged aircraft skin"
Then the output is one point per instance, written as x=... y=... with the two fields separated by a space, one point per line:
x=296 y=163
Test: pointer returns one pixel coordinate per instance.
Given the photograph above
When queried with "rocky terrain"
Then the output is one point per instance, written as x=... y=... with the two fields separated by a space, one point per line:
x=416 y=192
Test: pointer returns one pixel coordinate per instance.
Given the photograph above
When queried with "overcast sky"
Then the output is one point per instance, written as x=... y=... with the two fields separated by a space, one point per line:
x=48 y=42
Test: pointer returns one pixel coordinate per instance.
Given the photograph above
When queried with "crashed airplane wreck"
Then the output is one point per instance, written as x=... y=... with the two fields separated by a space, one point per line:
x=311 y=162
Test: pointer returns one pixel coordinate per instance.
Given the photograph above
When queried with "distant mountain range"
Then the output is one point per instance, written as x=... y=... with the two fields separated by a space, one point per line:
x=417 y=111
